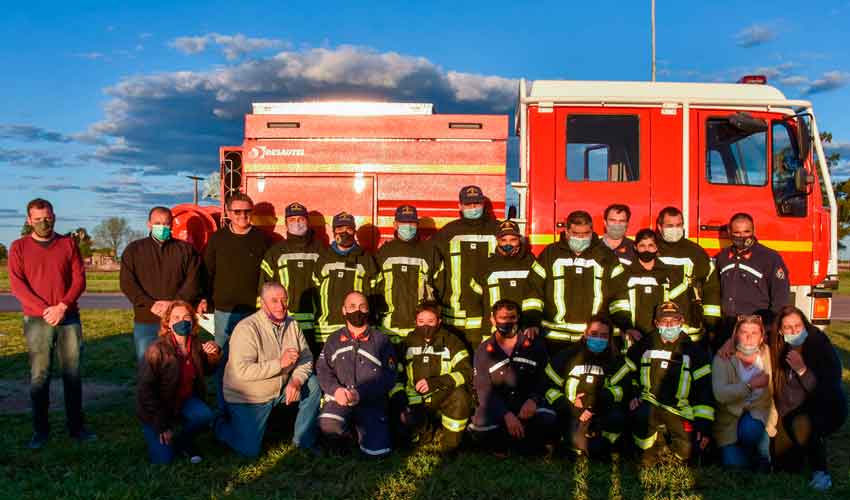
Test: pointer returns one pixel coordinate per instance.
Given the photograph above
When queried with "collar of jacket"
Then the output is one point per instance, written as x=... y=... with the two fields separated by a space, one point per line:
x=302 y=240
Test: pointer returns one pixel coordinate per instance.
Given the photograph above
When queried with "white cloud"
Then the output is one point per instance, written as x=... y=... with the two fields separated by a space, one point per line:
x=830 y=80
x=92 y=56
x=233 y=46
x=754 y=35
x=174 y=122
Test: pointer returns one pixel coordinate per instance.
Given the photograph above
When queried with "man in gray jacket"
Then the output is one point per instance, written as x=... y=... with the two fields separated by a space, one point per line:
x=270 y=363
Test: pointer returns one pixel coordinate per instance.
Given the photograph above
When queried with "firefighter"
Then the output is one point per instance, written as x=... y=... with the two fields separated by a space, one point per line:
x=582 y=274
x=512 y=273
x=342 y=268
x=616 y=218
x=698 y=294
x=647 y=283
x=291 y=262
x=589 y=409
x=356 y=370
x=406 y=267
x=753 y=278
x=464 y=244
x=672 y=375
x=437 y=374
x=510 y=383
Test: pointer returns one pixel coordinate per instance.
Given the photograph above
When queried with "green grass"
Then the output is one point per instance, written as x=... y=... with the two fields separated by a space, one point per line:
x=843 y=283
x=115 y=466
x=96 y=281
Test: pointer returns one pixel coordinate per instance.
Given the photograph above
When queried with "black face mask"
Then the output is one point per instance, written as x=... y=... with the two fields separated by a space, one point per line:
x=742 y=243
x=428 y=332
x=357 y=318
x=647 y=256
x=344 y=240
x=507 y=330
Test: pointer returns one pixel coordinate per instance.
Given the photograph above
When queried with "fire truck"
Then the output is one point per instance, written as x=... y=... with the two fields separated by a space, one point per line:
x=710 y=149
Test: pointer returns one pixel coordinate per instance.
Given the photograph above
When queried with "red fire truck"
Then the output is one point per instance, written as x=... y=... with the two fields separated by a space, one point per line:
x=710 y=149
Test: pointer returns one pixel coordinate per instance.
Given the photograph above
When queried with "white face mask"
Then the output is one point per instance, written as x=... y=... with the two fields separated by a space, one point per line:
x=672 y=234
x=297 y=228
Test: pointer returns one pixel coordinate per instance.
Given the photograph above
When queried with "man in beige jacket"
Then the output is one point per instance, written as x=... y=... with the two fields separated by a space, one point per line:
x=270 y=363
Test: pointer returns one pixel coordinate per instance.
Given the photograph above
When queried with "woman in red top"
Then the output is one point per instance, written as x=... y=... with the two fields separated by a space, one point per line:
x=171 y=386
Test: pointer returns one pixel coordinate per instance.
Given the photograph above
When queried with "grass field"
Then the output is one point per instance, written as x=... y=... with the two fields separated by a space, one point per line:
x=96 y=281
x=115 y=466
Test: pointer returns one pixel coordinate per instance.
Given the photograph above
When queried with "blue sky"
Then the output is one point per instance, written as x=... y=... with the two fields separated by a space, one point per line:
x=107 y=106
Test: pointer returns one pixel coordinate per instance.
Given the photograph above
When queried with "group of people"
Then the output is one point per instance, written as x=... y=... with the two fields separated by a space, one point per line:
x=598 y=343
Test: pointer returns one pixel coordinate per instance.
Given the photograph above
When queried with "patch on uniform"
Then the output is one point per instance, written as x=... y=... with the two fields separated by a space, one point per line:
x=780 y=274
x=527 y=343
x=513 y=282
x=391 y=362
x=589 y=379
x=489 y=347
x=300 y=263
x=473 y=246
x=404 y=269
x=647 y=289
x=664 y=364
x=426 y=359
x=340 y=274
x=343 y=338
x=578 y=270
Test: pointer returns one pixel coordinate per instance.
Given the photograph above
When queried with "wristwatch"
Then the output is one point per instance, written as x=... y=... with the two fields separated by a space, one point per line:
x=749 y=387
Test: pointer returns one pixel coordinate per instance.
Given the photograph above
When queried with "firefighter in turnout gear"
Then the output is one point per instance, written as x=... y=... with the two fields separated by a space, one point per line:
x=589 y=410
x=512 y=273
x=356 y=370
x=406 y=267
x=647 y=284
x=582 y=275
x=616 y=220
x=753 y=278
x=342 y=268
x=698 y=294
x=437 y=375
x=510 y=384
x=464 y=246
x=291 y=263
x=673 y=377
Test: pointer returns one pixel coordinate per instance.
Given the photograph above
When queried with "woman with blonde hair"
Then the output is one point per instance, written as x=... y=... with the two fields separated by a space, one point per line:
x=171 y=386
x=745 y=416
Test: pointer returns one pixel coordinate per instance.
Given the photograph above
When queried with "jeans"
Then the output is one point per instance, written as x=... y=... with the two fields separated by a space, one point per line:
x=246 y=423
x=144 y=335
x=196 y=416
x=67 y=340
x=225 y=322
x=753 y=446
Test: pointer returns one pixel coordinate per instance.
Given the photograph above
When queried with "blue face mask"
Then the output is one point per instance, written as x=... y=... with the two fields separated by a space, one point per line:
x=579 y=245
x=473 y=213
x=406 y=232
x=670 y=333
x=182 y=328
x=161 y=232
x=597 y=344
x=796 y=339
x=508 y=249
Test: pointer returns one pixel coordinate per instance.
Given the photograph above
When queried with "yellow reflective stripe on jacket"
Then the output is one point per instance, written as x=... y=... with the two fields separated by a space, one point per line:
x=553 y=376
x=617 y=392
x=460 y=356
x=452 y=424
x=645 y=443
x=711 y=310
x=396 y=388
x=458 y=378
x=552 y=395
x=704 y=412
x=473 y=323
x=702 y=372
x=537 y=268
x=266 y=268
x=532 y=305
x=619 y=305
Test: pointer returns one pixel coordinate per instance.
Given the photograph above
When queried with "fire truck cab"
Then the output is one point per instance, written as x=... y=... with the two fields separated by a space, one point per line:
x=710 y=149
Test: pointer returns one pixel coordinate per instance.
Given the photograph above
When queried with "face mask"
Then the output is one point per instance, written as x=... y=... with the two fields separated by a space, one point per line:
x=406 y=232
x=579 y=245
x=508 y=330
x=161 y=232
x=647 y=256
x=670 y=333
x=747 y=350
x=356 y=318
x=344 y=239
x=182 y=328
x=473 y=213
x=742 y=243
x=507 y=249
x=796 y=340
x=672 y=234
x=297 y=228
x=616 y=231
x=427 y=331
x=43 y=228
x=596 y=344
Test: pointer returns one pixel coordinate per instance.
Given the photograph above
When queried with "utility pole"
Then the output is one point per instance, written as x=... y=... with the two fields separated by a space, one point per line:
x=653 y=40
x=195 y=179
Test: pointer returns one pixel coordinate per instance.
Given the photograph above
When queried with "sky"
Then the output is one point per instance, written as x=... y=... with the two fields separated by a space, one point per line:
x=107 y=106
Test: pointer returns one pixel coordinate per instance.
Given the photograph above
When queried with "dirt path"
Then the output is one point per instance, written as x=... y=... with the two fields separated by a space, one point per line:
x=15 y=395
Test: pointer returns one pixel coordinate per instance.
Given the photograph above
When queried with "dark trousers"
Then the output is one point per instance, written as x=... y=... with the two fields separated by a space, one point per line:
x=452 y=406
x=646 y=421
x=802 y=433
x=491 y=433
x=66 y=341
x=595 y=436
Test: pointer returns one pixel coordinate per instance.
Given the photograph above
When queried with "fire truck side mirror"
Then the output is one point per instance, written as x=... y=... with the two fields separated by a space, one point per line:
x=804 y=132
x=746 y=123
x=803 y=180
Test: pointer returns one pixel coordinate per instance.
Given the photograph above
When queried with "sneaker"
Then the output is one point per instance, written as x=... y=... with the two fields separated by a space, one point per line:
x=195 y=459
x=39 y=439
x=84 y=435
x=821 y=481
